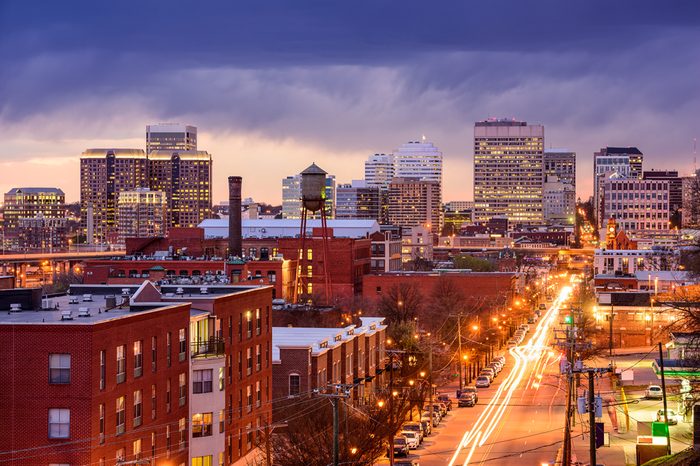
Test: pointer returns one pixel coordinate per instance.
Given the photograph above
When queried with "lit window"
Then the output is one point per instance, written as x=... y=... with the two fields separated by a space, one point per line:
x=59 y=423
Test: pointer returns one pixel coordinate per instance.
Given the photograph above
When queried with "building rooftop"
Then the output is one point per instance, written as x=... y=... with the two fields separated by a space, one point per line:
x=36 y=191
x=288 y=228
x=320 y=339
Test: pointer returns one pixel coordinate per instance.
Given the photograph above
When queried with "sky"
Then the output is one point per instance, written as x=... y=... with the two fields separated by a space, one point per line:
x=273 y=85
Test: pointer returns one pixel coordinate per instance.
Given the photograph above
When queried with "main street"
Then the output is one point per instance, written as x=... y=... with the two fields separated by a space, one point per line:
x=519 y=418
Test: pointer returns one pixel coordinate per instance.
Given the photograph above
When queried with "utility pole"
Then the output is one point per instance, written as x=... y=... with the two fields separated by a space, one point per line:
x=459 y=358
x=335 y=400
x=591 y=417
x=663 y=389
x=430 y=382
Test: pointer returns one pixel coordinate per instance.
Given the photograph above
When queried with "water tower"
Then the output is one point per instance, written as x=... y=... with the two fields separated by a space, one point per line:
x=313 y=199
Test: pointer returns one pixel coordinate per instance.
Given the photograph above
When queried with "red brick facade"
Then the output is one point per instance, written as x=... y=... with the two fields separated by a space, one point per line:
x=27 y=395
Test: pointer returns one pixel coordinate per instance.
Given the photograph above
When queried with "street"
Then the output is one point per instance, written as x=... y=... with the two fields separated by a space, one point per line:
x=520 y=417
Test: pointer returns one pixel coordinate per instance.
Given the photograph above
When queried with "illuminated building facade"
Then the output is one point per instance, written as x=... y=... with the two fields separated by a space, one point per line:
x=414 y=202
x=637 y=205
x=625 y=161
x=34 y=218
x=508 y=172
x=418 y=159
x=171 y=136
x=104 y=173
x=185 y=178
x=141 y=213
x=357 y=200
x=379 y=170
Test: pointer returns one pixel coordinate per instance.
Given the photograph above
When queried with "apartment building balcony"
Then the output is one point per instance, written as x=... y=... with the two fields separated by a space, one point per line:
x=213 y=347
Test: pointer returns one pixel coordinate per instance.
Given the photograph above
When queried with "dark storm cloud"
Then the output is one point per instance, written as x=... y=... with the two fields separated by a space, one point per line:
x=365 y=74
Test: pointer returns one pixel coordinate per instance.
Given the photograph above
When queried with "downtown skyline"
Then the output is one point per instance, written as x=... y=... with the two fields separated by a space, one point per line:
x=617 y=76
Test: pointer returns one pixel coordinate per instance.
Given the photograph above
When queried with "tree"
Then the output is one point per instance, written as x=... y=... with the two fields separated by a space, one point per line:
x=467 y=261
x=364 y=432
x=401 y=303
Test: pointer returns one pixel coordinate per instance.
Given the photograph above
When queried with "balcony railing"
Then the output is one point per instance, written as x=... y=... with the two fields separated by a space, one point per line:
x=206 y=348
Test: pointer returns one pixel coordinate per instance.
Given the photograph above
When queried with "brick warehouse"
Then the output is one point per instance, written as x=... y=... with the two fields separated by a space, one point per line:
x=497 y=285
x=240 y=320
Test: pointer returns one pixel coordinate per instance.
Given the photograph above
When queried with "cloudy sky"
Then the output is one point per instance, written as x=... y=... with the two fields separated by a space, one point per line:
x=274 y=85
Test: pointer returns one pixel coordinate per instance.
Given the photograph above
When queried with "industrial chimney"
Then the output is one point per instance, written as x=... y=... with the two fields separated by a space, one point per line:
x=235 y=241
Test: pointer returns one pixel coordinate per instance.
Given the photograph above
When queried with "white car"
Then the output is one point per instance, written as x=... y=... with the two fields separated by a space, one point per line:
x=482 y=382
x=412 y=438
x=654 y=391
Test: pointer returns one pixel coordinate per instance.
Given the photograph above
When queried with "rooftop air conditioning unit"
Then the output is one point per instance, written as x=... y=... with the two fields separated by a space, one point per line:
x=66 y=315
x=87 y=298
x=125 y=291
x=47 y=303
x=179 y=291
x=73 y=300
x=15 y=307
x=83 y=312
x=204 y=290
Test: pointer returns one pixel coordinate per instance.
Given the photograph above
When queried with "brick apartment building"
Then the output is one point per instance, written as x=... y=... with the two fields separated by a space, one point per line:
x=305 y=359
x=180 y=375
x=83 y=385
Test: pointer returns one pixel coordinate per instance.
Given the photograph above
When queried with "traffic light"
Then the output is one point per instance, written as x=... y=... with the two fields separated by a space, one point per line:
x=568 y=319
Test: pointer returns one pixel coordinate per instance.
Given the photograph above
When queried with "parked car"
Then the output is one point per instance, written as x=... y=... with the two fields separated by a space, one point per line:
x=472 y=389
x=415 y=427
x=406 y=462
x=466 y=400
x=427 y=425
x=501 y=359
x=444 y=398
x=525 y=327
x=488 y=371
x=672 y=417
x=412 y=438
x=483 y=382
x=654 y=392
x=441 y=408
x=400 y=446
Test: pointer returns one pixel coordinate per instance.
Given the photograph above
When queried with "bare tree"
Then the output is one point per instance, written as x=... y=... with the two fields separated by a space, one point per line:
x=401 y=303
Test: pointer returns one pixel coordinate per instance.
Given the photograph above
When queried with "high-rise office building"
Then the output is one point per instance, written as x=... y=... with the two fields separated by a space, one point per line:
x=379 y=170
x=690 y=188
x=104 y=173
x=418 y=159
x=638 y=206
x=141 y=213
x=291 y=198
x=675 y=193
x=415 y=202
x=357 y=200
x=625 y=161
x=34 y=219
x=508 y=174
x=171 y=137
x=559 y=188
x=185 y=178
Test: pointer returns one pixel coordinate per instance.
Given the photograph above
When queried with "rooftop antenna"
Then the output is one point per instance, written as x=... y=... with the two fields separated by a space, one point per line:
x=695 y=155
x=423 y=138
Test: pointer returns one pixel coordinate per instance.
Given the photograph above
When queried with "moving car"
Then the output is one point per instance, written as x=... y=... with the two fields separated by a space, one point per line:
x=672 y=417
x=466 y=400
x=400 y=446
x=483 y=382
x=412 y=438
x=654 y=391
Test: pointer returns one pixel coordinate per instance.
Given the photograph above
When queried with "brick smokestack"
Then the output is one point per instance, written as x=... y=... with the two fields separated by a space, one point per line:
x=235 y=233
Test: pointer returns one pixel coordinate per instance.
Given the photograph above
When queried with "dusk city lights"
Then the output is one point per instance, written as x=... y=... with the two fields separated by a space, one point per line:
x=372 y=233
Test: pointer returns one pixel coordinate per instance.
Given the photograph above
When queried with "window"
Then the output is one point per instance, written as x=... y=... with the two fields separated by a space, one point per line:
x=167 y=395
x=258 y=322
x=221 y=374
x=230 y=329
x=258 y=357
x=201 y=425
x=153 y=401
x=249 y=323
x=294 y=384
x=103 y=368
x=121 y=415
x=258 y=394
x=121 y=363
x=59 y=423
x=167 y=441
x=202 y=460
x=249 y=360
x=137 y=448
x=138 y=358
x=183 y=344
x=168 y=348
x=249 y=398
x=154 y=353
x=201 y=381
x=102 y=423
x=153 y=444
x=59 y=368
x=182 y=389
x=222 y=419
x=138 y=407
x=182 y=427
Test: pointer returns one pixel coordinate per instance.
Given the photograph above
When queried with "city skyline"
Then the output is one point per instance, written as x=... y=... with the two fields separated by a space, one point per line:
x=257 y=96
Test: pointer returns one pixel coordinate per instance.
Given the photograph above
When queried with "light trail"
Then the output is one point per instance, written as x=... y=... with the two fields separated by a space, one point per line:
x=524 y=356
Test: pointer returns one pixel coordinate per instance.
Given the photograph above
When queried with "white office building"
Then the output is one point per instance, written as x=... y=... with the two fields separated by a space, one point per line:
x=379 y=170
x=418 y=159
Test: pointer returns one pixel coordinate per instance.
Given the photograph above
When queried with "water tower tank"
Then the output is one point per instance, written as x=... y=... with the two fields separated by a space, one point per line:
x=313 y=187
